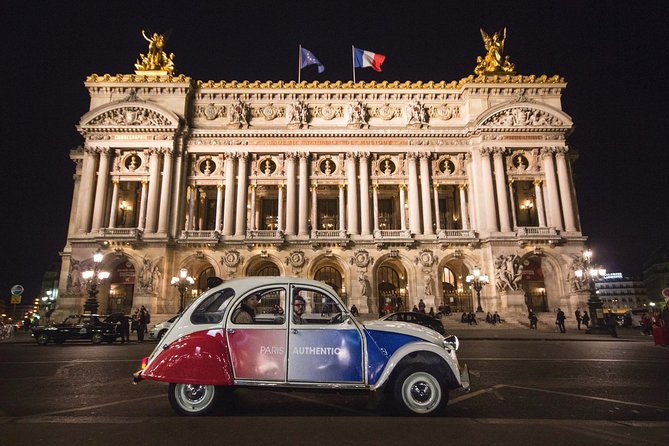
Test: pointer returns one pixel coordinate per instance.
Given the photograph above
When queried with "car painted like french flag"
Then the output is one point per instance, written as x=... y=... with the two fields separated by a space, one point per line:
x=365 y=59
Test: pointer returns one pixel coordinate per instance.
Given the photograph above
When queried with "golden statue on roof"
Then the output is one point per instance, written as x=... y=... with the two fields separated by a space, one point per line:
x=494 y=62
x=156 y=60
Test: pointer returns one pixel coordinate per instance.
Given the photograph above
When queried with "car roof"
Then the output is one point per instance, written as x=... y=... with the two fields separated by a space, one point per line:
x=252 y=281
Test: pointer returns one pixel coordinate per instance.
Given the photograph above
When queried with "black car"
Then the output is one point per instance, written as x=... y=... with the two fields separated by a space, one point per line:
x=416 y=318
x=77 y=327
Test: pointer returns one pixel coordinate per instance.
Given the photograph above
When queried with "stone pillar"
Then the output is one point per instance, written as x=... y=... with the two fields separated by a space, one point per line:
x=114 y=204
x=154 y=191
x=554 y=218
x=165 y=193
x=142 y=205
x=179 y=188
x=101 y=191
x=540 y=203
x=314 y=207
x=375 y=197
x=425 y=193
x=242 y=195
x=463 y=207
x=201 y=207
x=342 y=208
x=437 y=218
x=352 y=194
x=414 y=205
x=219 y=207
x=364 y=195
x=85 y=201
x=501 y=184
x=303 y=211
x=291 y=191
x=565 y=190
x=279 y=216
x=512 y=201
x=471 y=195
x=229 y=205
x=488 y=191
x=252 y=223
x=403 y=212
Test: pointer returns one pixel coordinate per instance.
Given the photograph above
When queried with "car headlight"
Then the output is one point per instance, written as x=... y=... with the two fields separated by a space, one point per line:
x=452 y=342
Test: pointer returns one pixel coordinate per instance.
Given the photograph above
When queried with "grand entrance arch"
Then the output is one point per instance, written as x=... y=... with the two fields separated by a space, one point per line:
x=534 y=284
x=121 y=287
x=332 y=276
x=391 y=277
x=456 y=292
x=200 y=270
x=264 y=268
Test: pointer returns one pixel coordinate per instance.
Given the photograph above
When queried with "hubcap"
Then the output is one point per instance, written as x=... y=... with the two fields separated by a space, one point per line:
x=421 y=392
x=194 y=397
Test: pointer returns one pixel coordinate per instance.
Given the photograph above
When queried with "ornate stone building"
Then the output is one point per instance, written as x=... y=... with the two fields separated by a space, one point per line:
x=388 y=191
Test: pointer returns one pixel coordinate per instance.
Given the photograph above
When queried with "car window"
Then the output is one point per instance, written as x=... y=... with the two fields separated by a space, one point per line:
x=266 y=309
x=392 y=317
x=212 y=309
x=319 y=308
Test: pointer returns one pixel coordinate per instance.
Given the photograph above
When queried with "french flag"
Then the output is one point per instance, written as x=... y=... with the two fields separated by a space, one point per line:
x=364 y=59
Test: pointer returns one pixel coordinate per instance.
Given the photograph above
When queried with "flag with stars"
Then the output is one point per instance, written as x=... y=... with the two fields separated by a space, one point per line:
x=308 y=58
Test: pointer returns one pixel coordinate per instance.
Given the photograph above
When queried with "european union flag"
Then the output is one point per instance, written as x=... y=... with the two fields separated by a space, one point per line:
x=308 y=58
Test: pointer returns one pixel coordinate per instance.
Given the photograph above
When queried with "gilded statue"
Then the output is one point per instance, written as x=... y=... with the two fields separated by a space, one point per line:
x=494 y=62
x=156 y=59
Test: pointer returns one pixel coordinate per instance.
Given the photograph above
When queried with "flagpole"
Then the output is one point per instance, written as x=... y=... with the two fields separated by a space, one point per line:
x=299 y=64
x=353 y=61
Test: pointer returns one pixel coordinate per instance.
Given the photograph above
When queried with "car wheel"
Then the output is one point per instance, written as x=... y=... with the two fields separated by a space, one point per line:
x=96 y=338
x=161 y=333
x=192 y=399
x=420 y=391
x=42 y=339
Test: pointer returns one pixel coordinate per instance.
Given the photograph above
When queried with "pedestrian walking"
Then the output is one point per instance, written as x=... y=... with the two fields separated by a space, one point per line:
x=533 y=319
x=585 y=319
x=577 y=314
x=611 y=324
x=143 y=319
x=658 y=329
x=559 y=320
x=124 y=326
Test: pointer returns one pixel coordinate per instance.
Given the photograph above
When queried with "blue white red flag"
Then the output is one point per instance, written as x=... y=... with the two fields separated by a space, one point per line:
x=308 y=58
x=364 y=59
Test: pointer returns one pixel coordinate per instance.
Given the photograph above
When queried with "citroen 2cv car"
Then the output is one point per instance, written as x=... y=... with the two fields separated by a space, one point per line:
x=238 y=334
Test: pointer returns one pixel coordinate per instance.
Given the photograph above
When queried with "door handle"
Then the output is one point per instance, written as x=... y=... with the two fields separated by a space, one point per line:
x=294 y=330
x=230 y=330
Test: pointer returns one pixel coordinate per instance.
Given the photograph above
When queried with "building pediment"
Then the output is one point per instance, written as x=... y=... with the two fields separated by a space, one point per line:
x=127 y=116
x=523 y=115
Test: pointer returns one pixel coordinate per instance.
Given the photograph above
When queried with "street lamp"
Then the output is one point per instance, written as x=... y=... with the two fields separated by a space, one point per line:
x=93 y=278
x=182 y=282
x=478 y=280
x=591 y=274
x=49 y=302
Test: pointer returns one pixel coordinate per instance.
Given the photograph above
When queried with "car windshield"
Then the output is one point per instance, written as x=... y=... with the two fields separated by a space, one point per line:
x=212 y=309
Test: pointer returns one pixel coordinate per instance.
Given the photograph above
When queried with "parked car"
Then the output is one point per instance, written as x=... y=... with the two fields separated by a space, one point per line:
x=218 y=343
x=77 y=327
x=157 y=332
x=417 y=318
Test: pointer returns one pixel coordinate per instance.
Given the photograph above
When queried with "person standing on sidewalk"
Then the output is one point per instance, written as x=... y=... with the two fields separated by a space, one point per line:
x=143 y=320
x=559 y=320
x=665 y=321
x=585 y=319
x=533 y=319
x=611 y=324
x=577 y=314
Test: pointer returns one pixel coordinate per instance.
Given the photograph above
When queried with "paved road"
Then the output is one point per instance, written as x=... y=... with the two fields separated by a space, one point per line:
x=546 y=388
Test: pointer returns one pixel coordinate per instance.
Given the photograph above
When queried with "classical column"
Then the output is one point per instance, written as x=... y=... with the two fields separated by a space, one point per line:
x=488 y=191
x=314 y=207
x=101 y=190
x=165 y=193
x=242 y=194
x=512 y=200
x=142 y=205
x=565 y=189
x=303 y=210
x=365 y=228
x=291 y=191
x=437 y=219
x=472 y=197
x=229 y=206
x=342 y=208
x=375 y=195
x=85 y=201
x=414 y=205
x=154 y=191
x=252 y=223
x=551 y=188
x=538 y=193
x=403 y=212
x=219 y=206
x=352 y=194
x=425 y=193
x=279 y=216
x=179 y=191
x=114 y=204
x=201 y=207
x=464 y=215
x=500 y=184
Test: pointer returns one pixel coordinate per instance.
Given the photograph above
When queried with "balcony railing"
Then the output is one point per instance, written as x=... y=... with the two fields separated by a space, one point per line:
x=121 y=233
x=199 y=235
x=535 y=230
x=328 y=234
x=268 y=235
x=392 y=234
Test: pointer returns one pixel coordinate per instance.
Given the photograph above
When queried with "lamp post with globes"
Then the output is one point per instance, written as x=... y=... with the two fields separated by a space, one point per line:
x=182 y=282
x=590 y=274
x=477 y=280
x=93 y=278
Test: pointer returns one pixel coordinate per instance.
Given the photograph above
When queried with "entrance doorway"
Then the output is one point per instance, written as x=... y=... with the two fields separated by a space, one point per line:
x=534 y=285
x=392 y=287
x=456 y=292
x=121 y=288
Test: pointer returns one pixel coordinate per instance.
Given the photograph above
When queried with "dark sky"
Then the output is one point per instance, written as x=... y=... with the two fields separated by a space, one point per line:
x=613 y=55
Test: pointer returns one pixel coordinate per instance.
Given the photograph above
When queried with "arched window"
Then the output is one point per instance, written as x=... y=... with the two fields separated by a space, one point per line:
x=331 y=276
x=202 y=279
x=267 y=269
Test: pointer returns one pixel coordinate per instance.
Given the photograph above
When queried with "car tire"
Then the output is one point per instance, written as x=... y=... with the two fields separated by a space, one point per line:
x=193 y=399
x=96 y=338
x=161 y=333
x=42 y=339
x=420 y=391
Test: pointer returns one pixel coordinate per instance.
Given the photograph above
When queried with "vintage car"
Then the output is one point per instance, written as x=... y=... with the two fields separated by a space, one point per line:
x=77 y=327
x=417 y=318
x=211 y=348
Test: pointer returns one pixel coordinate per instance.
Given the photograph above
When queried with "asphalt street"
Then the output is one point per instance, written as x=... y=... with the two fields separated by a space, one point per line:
x=528 y=387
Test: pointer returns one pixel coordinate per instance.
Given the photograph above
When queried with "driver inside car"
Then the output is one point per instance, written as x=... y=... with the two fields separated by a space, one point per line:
x=298 y=310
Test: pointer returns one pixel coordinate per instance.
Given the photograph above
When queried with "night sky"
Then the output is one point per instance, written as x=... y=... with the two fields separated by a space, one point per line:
x=613 y=56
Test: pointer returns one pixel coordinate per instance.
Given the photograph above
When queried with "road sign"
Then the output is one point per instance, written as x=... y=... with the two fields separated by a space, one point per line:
x=17 y=290
x=665 y=293
x=15 y=300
